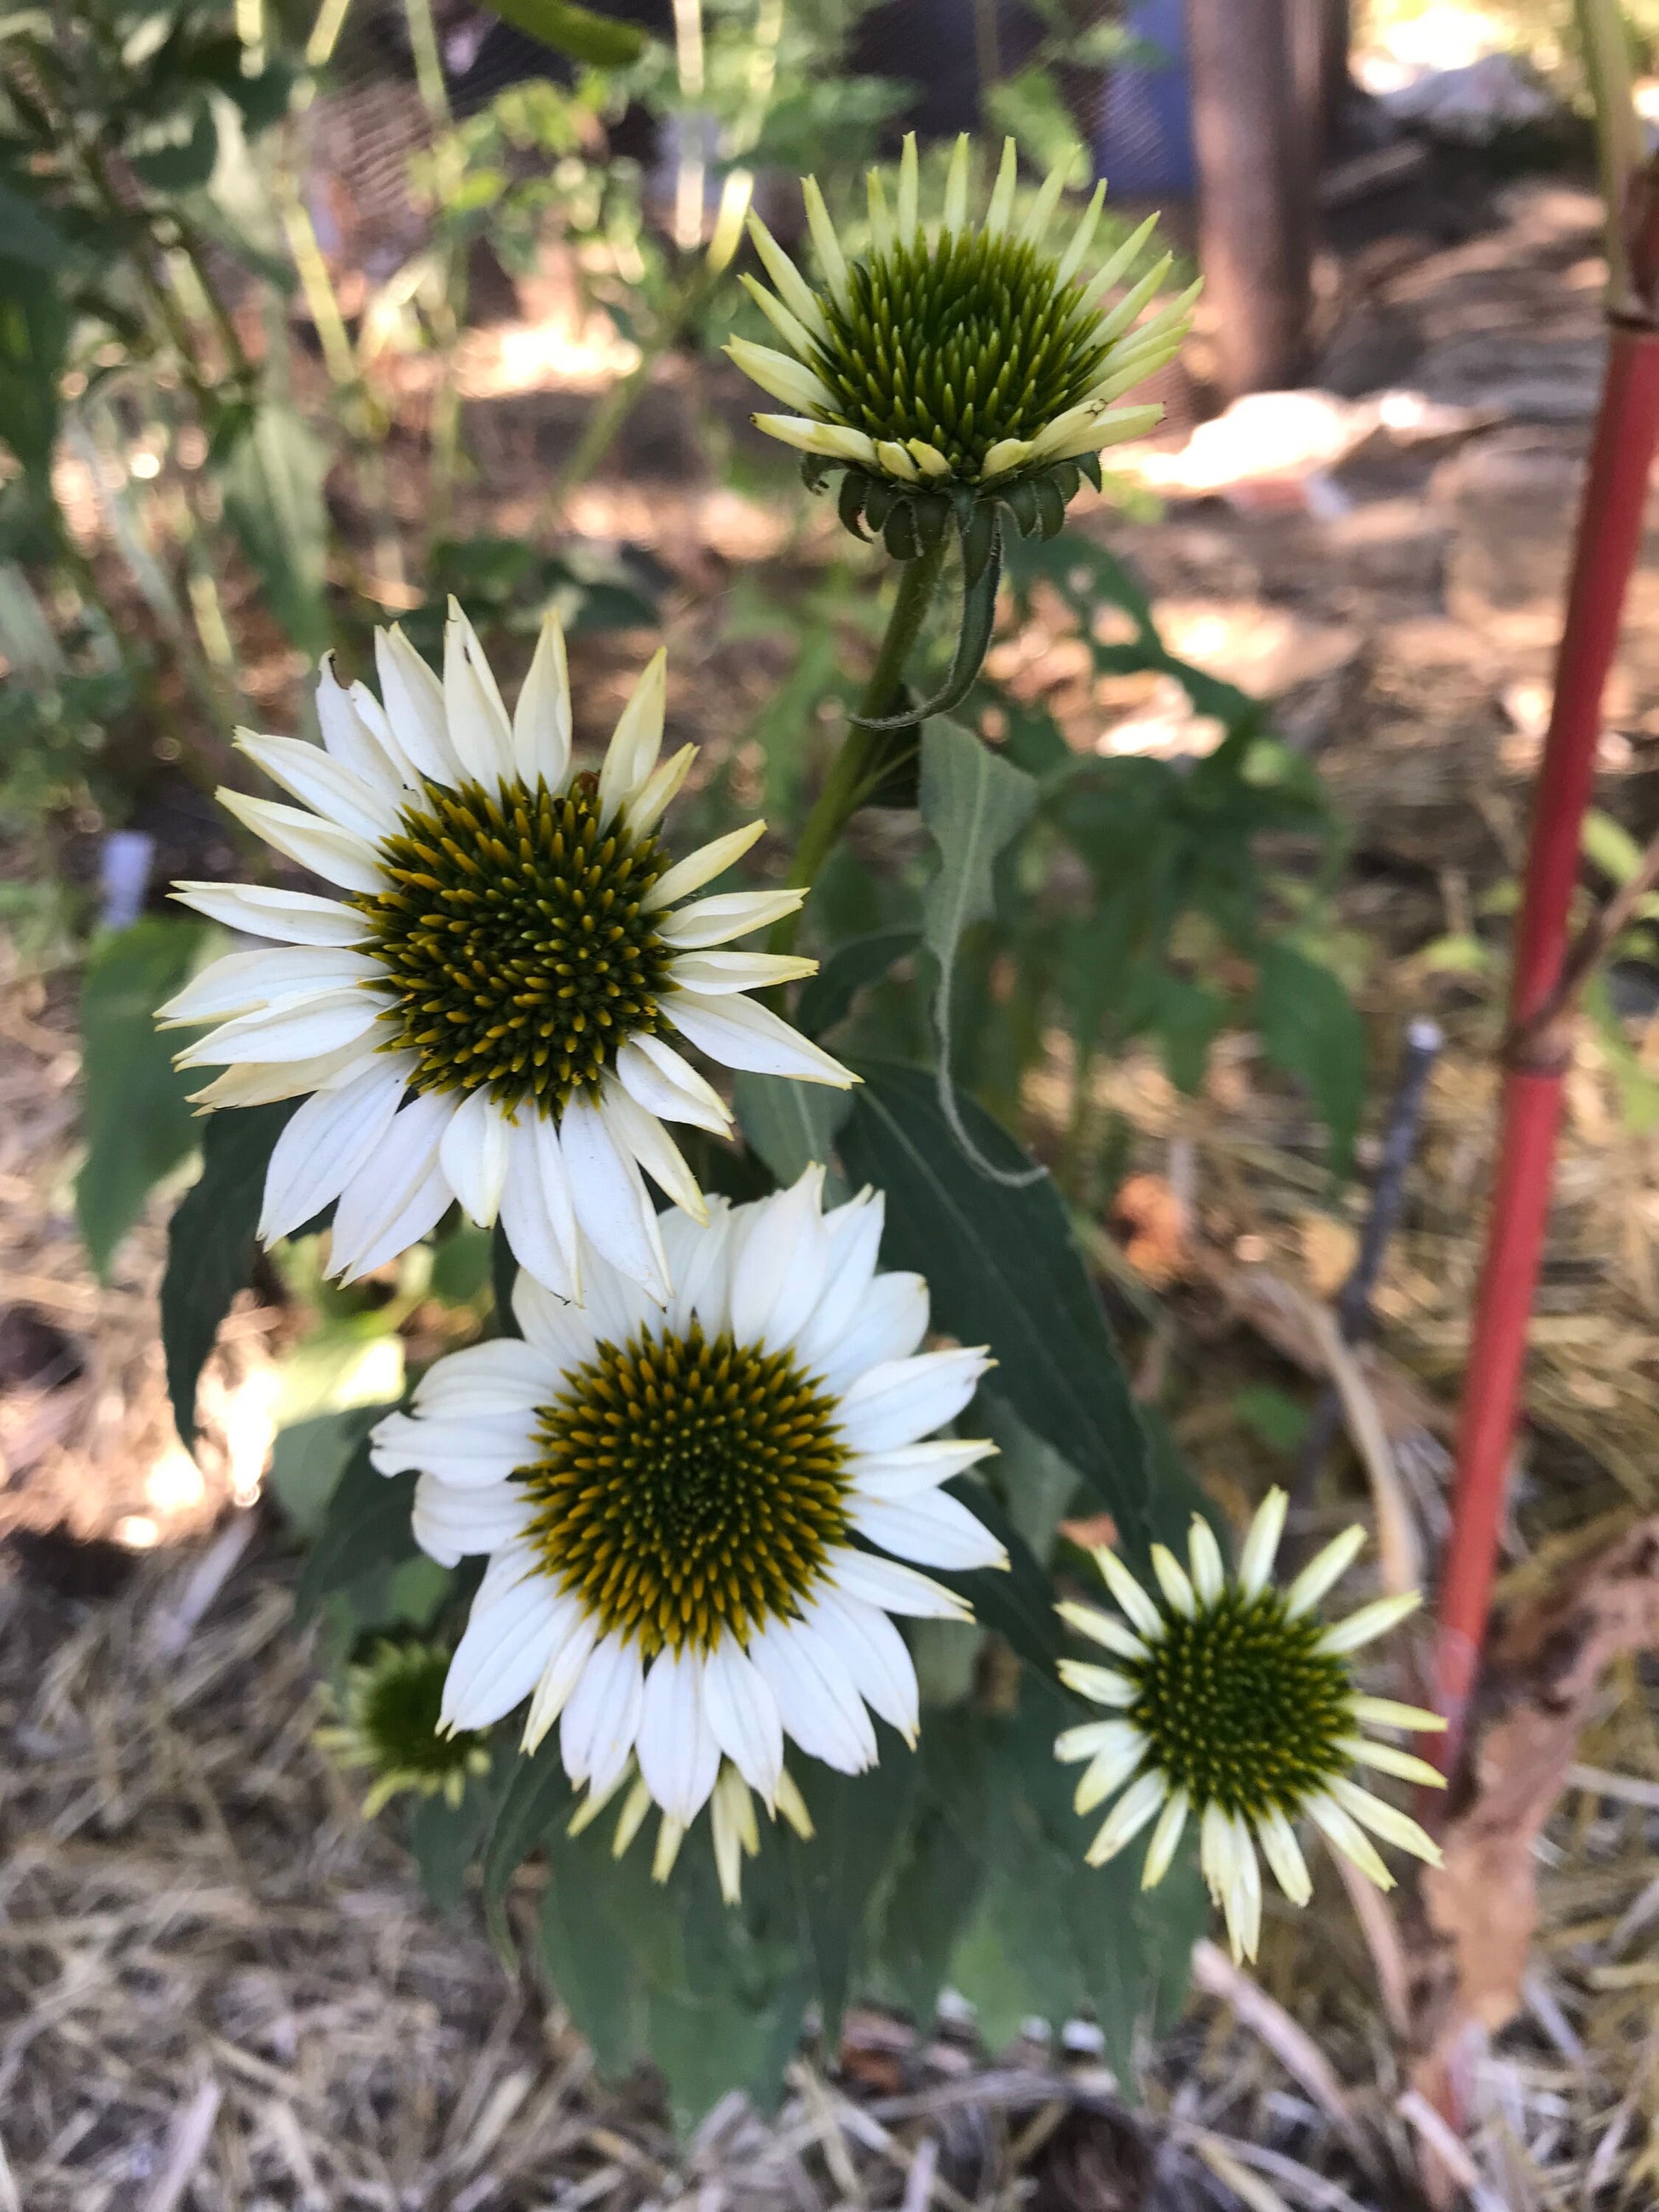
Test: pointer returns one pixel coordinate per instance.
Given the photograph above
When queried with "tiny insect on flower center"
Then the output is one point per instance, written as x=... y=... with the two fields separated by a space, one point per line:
x=961 y=341
x=1240 y=1706
x=398 y=1704
x=514 y=932
x=688 y=1488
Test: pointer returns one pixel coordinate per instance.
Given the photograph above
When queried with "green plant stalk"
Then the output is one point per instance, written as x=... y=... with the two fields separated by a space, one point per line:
x=447 y=318
x=854 y=771
x=1619 y=134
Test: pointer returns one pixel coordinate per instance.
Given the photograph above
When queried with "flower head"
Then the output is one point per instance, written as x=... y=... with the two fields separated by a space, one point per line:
x=688 y=1512
x=1232 y=1703
x=957 y=363
x=389 y=1724
x=496 y=1009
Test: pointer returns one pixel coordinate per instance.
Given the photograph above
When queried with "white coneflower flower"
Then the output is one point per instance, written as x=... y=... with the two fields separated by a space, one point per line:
x=496 y=1008
x=961 y=360
x=1232 y=1704
x=389 y=1724
x=688 y=1512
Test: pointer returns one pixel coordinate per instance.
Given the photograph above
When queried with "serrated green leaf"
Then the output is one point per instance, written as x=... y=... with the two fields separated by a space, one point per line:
x=210 y=1245
x=791 y=1124
x=1310 y=1029
x=135 y=1103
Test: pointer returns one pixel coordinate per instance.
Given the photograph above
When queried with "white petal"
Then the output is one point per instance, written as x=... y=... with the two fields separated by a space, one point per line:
x=537 y=1213
x=956 y=184
x=1172 y=1580
x=1385 y=1820
x=790 y=328
x=450 y=1524
x=777 y=1252
x=328 y=1022
x=895 y=461
x=818 y=1701
x=1006 y=454
x=882 y=237
x=1370 y=1621
x=262 y=1084
x=1090 y=1738
x=601 y=1722
x=561 y=1332
x=339 y=856
x=329 y=1140
x=653 y=797
x=352 y=740
x=1341 y=1829
x=642 y=1137
x=935 y=1530
x=326 y=785
x=1083 y=237
x=1215 y=1851
x=853 y=1240
x=470 y=1451
x=699 y=1262
x=1388 y=1759
x=610 y=1197
x=792 y=287
x=735 y=1831
x=915 y=1467
x=831 y=259
x=372 y=716
x=616 y=1307
x=908 y=186
x=1103 y=1628
x=1107 y=1772
x=542 y=720
x=473 y=1156
x=903 y=1399
x=1208 y=1567
x=276 y=975
x=1130 y=1598
x=728 y=915
x=1114 y=425
x=875 y=1655
x=1242 y=1904
x=1324 y=1570
x=739 y=1034
x=479 y=731
x=677 y=1753
x=700 y=868
x=1128 y=1817
x=1002 y=192
x=742 y=1713
x=834 y=440
x=1101 y=1686
x=1256 y=1561
x=1165 y=1837
x=1284 y=1854
x=637 y=739
x=506 y=1376
x=1388 y=1713
x=414 y=702
x=300 y=917
x=504 y=1651
x=893 y=1588
x=392 y=1202
x=717 y=975
x=663 y=1084
x=559 y=1678
x=783 y=376
x=1048 y=199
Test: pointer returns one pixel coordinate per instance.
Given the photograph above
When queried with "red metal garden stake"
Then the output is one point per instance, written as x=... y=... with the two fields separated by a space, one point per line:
x=1539 y=1047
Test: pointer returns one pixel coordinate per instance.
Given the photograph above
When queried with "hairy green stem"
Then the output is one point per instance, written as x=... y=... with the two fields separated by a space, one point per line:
x=858 y=766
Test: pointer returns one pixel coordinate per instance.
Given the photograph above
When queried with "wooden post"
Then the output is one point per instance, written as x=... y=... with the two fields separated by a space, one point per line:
x=1255 y=196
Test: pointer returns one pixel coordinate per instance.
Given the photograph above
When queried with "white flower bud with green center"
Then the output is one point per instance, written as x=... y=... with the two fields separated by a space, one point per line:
x=390 y=1723
x=1233 y=1705
x=957 y=362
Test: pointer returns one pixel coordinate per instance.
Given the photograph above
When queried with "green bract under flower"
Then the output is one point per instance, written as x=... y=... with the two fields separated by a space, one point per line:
x=393 y=1705
x=1233 y=1702
x=959 y=364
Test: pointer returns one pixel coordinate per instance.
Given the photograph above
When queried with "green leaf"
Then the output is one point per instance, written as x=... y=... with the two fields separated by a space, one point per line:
x=827 y=997
x=135 y=1103
x=1002 y=1270
x=1017 y=1601
x=942 y=1865
x=271 y=480
x=210 y=1245
x=27 y=234
x=536 y=1794
x=308 y=1460
x=178 y=154
x=443 y=1840
x=858 y=1821
x=791 y=1124
x=1310 y=1029
x=578 y=32
x=368 y=1524
x=1037 y=1483
x=593 y=1972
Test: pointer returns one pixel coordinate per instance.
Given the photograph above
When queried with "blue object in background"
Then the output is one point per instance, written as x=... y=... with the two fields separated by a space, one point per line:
x=1145 y=145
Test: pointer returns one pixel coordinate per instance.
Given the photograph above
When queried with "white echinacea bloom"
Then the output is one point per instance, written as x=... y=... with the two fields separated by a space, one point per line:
x=496 y=1007
x=700 y=1520
x=1233 y=1703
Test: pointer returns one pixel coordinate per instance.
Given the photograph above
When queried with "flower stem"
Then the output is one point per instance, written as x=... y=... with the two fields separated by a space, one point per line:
x=858 y=766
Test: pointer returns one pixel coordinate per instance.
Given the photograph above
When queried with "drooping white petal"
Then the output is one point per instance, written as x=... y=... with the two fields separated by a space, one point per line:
x=566 y=1662
x=300 y=917
x=1369 y=1623
x=616 y=1307
x=1324 y=1570
x=903 y=1399
x=474 y=1154
x=735 y=1831
x=818 y=1701
x=1215 y=1851
x=1161 y=1849
x=504 y=1650
x=1107 y=1772
x=782 y=375
x=541 y=719
x=1256 y=1561
x=480 y=734
x=831 y=259
x=1172 y=1580
x=642 y=1137
x=791 y=286
x=1284 y=1854
x=678 y=1755
x=330 y=1138
x=728 y=915
x=263 y=1085
x=835 y=440
x=875 y=1655
x=700 y=868
x=1120 y=317
x=339 y=856
x=1341 y=1829
x=323 y=783
x=893 y=1588
x=351 y=740
x=1388 y=1759
x=777 y=1263
x=1103 y=1628
x=717 y=975
x=303 y=1029
x=1242 y=1904
x=742 y=1713
x=1113 y=426
x=680 y=1095
x=392 y=1202
x=414 y=702
x=892 y=1324
x=1388 y=1713
x=275 y=976
x=1385 y=1819
x=507 y=1374
x=610 y=1197
x=637 y=740
x=789 y=327
x=1128 y=1817
x=934 y=1530
x=1134 y=1600
x=537 y=1213
x=450 y=1525
x=601 y=1722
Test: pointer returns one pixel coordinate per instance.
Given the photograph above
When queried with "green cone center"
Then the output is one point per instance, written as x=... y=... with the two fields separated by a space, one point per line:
x=961 y=342
x=397 y=1703
x=688 y=1488
x=514 y=932
x=1240 y=1706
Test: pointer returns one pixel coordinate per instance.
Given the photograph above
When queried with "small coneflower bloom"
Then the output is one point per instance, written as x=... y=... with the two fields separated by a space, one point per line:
x=388 y=1723
x=1234 y=1705
x=700 y=1520
x=955 y=361
x=496 y=1008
